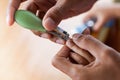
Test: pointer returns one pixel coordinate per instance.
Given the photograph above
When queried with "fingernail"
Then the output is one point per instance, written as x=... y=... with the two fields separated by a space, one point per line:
x=76 y=36
x=49 y=24
x=60 y=41
x=44 y=35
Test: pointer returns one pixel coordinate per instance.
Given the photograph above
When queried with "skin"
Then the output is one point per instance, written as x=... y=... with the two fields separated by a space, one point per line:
x=104 y=13
x=84 y=60
x=105 y=66
x=51 y=11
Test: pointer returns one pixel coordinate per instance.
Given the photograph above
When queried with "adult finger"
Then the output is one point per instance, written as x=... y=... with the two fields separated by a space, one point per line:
x=88 y=15
x=43 y=5
x=57 y=40
x=13 y=6
x=92 y=45
x=101 y=20
x=61 y=62
x=55 y=14
x=32 y=7
x=79 y=51
x=78 y=58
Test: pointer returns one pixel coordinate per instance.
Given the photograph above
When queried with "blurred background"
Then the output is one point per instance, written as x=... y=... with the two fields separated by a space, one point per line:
x=24 y=56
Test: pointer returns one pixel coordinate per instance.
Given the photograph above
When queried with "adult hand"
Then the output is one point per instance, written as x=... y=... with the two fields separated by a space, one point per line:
x=106 y=65
x=52 y=10
x=102 y=13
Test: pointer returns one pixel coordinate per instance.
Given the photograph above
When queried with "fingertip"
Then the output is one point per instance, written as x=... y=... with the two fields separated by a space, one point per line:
x=60 y=41
x=96 y=29
x=99 y=24
x=10 y=16
x=46 y=35
x=49 y=24
x=9 y=21
x=88 y=16
x=12 y=7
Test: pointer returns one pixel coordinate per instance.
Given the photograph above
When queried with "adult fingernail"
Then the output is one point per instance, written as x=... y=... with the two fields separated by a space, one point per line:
x=49 y=24
x=76 y=36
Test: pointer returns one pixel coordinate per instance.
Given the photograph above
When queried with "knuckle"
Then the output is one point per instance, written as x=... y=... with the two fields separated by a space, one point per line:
x=107 y=52
x=109 y=55
x=83 y=40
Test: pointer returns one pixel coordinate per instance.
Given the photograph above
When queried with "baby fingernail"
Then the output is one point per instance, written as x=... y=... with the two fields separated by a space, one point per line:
x=60 y=41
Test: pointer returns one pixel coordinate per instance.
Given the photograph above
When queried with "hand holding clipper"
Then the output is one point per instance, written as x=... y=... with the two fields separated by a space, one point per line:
x=30 y=21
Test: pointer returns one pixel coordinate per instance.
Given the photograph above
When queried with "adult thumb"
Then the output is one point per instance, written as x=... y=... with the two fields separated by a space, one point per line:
x=54 y=16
